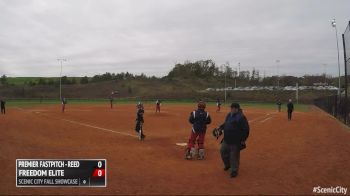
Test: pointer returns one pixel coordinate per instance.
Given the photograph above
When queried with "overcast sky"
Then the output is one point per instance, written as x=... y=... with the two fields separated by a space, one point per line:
x=150 y=36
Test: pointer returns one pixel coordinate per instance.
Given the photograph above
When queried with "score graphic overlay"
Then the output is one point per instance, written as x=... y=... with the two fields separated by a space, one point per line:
x=66 y=173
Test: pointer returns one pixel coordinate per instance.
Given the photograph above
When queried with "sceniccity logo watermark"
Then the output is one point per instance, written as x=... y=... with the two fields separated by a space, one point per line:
x=330 y=190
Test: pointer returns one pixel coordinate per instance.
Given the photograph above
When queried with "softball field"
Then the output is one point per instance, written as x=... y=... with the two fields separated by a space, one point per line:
x=281 y=157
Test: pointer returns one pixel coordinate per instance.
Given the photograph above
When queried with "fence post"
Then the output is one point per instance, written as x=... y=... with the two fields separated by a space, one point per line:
x=346 y=80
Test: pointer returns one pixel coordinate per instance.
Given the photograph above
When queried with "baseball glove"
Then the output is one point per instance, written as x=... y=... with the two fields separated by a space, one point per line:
x=217 y=132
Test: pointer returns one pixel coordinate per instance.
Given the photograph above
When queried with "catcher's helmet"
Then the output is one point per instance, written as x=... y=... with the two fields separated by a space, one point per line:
x=201 y=105
x=235 y=105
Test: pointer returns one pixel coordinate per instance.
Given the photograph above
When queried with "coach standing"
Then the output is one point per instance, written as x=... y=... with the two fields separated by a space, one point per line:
x=290 y=108
x=236 y=132
x=2 y=103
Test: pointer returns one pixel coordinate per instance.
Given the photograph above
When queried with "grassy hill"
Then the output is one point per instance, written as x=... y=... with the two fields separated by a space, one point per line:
x=185 y=81
x=188 y=89
x=22 y=80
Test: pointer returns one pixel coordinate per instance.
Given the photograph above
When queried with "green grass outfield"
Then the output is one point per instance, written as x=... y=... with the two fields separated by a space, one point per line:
x=244 y=104
x=24 y=80
x=21 y=80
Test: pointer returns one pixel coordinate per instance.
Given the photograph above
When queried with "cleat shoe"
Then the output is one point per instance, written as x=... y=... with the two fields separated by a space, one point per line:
x=201 y=154
x=226 y=168
x=193 y=152
x=188 y=155
x=140 y=137
x=143 y=137
x=234 y=174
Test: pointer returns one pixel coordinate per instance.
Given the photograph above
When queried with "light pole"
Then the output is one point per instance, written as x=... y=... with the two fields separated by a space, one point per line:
x=334 y=24
x=278 y=77
x=60 y=61
x=239 y=68
x=224 y=68
x=325 y=73
x=236 y=79
x=225 y=83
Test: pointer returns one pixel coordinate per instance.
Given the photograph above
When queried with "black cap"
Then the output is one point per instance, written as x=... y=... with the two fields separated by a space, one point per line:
x=235 y=105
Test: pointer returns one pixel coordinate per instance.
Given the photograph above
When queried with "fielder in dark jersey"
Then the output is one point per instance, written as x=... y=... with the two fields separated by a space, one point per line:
x=199 y=120
x=290 y=109
x=279 y=105
x=3 y=111
x=140 y=121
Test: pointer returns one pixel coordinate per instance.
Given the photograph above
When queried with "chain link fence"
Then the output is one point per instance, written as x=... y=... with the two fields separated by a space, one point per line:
x=334 y=106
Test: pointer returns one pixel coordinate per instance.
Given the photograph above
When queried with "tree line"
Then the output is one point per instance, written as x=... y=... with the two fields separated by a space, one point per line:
x=205 y=70
x=208 y=70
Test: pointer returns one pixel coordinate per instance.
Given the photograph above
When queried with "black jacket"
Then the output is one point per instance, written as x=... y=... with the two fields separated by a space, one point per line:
x=139 y=116
x=236 y=128
x=199 y=120
x=290 y=107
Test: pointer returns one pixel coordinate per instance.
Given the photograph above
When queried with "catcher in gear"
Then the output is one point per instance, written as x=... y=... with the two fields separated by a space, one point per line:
x=199 y=120
x=140 y=121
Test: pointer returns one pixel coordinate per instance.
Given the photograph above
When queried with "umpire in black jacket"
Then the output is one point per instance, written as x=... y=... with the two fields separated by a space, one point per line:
x=236 y=132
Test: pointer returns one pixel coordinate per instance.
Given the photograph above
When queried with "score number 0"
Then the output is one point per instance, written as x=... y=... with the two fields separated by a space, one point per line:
x=99 y=171
x=99 y=165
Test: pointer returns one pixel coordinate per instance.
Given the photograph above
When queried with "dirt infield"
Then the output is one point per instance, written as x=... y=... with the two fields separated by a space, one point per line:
x=281 y=158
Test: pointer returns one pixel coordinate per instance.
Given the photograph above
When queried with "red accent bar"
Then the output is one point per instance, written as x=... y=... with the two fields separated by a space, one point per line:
x=98 y=173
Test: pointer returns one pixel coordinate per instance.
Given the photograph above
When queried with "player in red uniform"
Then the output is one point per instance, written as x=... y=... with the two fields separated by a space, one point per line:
x=111 y=100
x=158 y=103
x=64 y=102
x=218 y=104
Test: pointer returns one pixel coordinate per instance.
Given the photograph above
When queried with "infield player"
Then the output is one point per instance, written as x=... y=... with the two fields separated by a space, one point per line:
x=158 y=104
x=279 y=105
x=290 y=109
x=64 y=102
x=111 y=100
x=199 y=120
x=140 y=121
x=218 y=105
x=2 y=103
x=236 y=132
